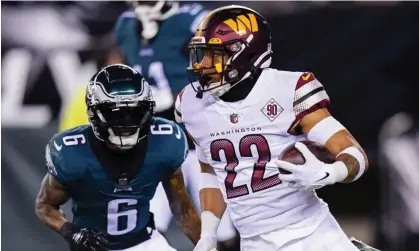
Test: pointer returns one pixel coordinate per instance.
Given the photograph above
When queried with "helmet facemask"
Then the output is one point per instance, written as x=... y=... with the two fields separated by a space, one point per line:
x=209 y=65
x=120 y=120
x=126 y=123
x=228 y=69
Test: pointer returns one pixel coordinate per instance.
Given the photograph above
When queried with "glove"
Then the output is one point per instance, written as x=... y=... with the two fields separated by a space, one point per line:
x=313 y=174
x=206 y=243
x=83 y=239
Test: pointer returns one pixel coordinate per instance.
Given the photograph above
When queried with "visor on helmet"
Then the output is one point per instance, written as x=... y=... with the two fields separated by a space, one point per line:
x=205 y=62
x=125 y=118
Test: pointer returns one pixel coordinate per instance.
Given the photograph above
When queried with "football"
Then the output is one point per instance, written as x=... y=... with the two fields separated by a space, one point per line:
x=292 y=155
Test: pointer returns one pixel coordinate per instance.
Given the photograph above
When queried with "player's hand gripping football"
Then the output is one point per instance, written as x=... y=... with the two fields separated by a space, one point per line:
x=206 y=243
x=313 y=174
x=84 y=239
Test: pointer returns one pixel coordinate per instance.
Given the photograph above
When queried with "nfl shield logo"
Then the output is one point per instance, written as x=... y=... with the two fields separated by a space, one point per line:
x=234 y=118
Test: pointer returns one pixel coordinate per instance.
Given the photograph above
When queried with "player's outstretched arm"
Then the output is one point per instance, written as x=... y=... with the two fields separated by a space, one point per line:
x=47 y=206
x=212 y=206
x=50 y=197
x=182 y=207
x=210 y=194
x=323 y=128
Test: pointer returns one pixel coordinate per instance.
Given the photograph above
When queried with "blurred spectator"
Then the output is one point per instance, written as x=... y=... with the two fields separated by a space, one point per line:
x=399 y=218
x=48 y=50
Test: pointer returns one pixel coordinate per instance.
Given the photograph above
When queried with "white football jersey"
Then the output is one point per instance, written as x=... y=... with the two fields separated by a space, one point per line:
x=240 y=139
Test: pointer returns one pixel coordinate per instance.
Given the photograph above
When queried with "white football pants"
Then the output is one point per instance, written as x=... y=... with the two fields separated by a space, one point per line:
x=327 y=237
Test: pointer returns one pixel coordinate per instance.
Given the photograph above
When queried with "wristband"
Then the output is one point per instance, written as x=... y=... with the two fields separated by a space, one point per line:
x=209 y=180
x=324 y=129
x=210 y=223
x=354 y=152
x=67 y=230
x=340 y=170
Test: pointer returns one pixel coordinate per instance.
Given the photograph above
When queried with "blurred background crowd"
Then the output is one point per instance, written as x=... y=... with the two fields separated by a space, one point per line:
x=365 y=54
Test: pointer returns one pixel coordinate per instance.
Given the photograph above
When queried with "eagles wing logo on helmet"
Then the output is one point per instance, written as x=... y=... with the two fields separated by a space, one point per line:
x=119 y=106
x=90 y=94
x=149 y=95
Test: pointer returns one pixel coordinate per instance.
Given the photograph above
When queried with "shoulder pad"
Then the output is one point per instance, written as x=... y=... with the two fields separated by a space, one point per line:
x=193 y=14
x=60 y=157
x=122 y=26
x=178 y=111
x=174 y=143
x=166 y=127
x=309 y=95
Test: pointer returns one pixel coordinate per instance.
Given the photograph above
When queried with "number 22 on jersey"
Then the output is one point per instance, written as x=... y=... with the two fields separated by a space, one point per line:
x=258 y=182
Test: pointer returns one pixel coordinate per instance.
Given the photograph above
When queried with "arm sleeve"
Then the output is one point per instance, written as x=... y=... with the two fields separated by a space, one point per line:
x=120 y=26
x=200 y=153
x=197 y=15
x=55 y=163
x=179 y=150
x=178 y=112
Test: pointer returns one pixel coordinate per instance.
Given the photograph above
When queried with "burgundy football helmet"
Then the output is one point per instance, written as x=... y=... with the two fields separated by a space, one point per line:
x=238 y=32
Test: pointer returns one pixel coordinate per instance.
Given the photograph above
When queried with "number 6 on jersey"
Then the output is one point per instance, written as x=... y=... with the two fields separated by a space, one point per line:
x=116 y=216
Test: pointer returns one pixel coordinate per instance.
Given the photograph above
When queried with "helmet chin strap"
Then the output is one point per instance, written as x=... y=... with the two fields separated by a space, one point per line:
x=124 y=142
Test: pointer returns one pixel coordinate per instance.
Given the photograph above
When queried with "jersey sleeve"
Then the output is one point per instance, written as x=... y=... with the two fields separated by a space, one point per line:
x=179 y=149
x=178 y=117
x=200 y=154
x=197 y=15
x=120 y=30
x=56 y=164
x=191 y=16
x=309 y=96
x=178 y=112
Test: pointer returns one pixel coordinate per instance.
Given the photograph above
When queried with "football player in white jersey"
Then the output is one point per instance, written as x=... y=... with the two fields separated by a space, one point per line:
x=241 y=114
